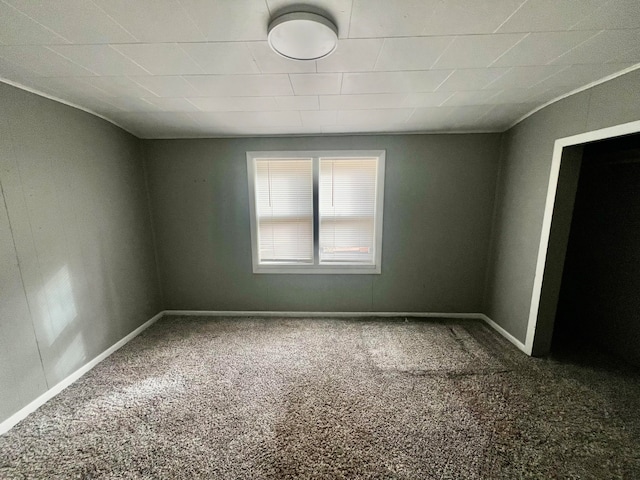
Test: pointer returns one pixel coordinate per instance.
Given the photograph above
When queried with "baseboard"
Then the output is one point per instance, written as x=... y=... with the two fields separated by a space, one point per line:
x=21 y=414
x=505 y=334
x=237 y=313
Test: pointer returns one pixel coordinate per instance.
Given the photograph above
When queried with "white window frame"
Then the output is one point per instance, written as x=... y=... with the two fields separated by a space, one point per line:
x=317 y=268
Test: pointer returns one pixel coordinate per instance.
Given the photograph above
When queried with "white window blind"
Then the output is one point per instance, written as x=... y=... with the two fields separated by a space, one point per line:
x=347 y=210
x=284 y=210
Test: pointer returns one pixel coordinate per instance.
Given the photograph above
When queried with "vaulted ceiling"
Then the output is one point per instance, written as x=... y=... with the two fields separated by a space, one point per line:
x=196 y=68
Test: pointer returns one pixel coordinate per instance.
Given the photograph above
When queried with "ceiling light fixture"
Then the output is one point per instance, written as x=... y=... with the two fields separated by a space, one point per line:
x=302 y=36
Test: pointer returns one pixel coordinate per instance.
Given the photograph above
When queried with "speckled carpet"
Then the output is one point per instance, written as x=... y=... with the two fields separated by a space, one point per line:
x=237 y=398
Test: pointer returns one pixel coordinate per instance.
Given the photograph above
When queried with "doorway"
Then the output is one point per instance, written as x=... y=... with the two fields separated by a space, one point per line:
x=554 y=235
x=599 y=299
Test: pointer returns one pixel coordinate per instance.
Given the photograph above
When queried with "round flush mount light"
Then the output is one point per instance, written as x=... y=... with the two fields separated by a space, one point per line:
x=302 y=36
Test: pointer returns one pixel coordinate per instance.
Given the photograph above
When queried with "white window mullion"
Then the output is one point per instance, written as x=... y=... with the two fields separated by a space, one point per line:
x=316 y=222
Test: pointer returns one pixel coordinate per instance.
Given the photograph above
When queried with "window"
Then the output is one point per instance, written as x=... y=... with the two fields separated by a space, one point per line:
x=316 y=212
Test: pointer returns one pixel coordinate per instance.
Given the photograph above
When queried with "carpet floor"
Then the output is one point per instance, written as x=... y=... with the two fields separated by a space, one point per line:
x=232 y=398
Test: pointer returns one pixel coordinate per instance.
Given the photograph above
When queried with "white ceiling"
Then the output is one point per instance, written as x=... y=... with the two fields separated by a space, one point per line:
x=194 y=68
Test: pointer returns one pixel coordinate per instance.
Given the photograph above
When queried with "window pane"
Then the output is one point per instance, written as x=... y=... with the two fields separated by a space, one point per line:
x=347 y=204
x=284 y=209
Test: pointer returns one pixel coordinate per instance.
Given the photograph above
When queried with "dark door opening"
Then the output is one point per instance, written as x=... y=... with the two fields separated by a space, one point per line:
x=599 y=301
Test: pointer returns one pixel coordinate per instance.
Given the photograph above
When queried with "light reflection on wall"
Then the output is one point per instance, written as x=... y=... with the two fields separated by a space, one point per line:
x=57 y=298
x=58 y=311
x=74 y=356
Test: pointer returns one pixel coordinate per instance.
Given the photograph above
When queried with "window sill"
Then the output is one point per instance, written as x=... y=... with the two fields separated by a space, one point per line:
x=318 y=269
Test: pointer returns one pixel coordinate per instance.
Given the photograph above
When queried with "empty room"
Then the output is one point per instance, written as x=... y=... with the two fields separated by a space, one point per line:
x=265 y=239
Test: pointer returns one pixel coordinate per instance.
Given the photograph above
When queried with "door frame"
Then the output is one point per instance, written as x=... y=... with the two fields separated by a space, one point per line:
x=559 y=145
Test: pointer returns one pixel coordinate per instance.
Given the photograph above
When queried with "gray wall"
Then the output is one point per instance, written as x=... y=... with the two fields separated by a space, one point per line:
x=522 y=188
x=439 y=192
x=77 y=269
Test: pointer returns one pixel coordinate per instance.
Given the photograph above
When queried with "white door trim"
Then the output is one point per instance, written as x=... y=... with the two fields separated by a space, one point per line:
x=559 y=145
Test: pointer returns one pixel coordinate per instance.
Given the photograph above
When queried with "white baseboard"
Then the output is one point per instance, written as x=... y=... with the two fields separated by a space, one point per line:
x=239 y=313
x=506 y=334
x=21 y=414
x=235 y=313
x=6 y=425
